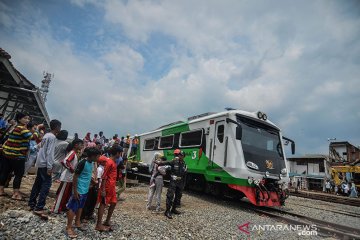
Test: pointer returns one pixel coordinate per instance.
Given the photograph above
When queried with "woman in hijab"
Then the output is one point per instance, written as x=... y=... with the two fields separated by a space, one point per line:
x=87 y=140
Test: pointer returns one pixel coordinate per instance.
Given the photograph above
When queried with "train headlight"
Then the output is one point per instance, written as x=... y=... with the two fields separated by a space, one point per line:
x=262 y=115
x=267 y=174
x=252 y=165
x=256 y=182
x=283 y=171
x=250 y=180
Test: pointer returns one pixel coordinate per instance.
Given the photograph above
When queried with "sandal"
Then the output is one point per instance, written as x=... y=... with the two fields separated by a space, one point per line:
x=17 y=198
x=102 y=230
x=41 y=214
x=71 y=234
x=110 y=229
x=81 y=228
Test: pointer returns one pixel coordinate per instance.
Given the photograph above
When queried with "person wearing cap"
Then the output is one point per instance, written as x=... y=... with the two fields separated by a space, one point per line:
x=177 y=173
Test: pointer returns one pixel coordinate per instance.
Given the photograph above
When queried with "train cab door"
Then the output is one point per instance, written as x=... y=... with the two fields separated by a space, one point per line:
x=219 y=143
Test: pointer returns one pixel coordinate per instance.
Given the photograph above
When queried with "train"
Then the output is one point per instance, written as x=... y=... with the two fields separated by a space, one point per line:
x=231 y=153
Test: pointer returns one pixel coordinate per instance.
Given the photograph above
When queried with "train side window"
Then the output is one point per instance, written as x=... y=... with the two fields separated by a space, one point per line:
x=220 y=133
x=149 y=144
x=166 y=142
x=270 y=145
x=191 y=139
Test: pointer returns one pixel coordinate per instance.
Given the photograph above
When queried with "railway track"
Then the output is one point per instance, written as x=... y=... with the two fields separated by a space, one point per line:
x=327 y=198
x=324 y=228
x=330 y=210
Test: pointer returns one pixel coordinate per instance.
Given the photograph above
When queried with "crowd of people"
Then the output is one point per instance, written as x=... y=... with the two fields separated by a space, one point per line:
x=346 y=188
x=91 y=172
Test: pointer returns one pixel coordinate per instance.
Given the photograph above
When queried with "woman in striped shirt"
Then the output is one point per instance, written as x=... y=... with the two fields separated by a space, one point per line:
x=15 y=151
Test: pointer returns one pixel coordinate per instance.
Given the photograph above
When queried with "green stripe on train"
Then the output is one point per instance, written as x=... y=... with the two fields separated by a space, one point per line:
x=210 y=170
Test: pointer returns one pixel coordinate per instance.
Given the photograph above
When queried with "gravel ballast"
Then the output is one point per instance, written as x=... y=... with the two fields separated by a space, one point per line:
x=203 y=217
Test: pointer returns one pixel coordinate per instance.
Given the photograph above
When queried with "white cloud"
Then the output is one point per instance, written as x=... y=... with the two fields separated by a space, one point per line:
x=288 y=61
x=124 y=62
x=82 y=3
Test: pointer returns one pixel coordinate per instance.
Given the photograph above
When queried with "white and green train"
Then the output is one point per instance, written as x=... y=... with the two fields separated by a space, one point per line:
x=232 y=152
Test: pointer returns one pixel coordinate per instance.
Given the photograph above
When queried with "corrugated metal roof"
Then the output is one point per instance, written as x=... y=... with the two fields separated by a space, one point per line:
x=18 y=93
x=309 y=156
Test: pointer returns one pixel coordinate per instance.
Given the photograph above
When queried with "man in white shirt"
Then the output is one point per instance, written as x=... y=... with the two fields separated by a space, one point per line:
x=44 y=163
x=328 y=186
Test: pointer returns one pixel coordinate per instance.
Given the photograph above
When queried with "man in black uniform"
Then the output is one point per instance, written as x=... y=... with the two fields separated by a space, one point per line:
x=178 y=170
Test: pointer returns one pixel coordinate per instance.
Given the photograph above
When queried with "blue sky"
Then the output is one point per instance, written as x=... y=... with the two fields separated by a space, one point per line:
x=131 y=66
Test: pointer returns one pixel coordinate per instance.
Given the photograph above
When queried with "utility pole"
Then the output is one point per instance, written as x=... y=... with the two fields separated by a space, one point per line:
x=45 y=83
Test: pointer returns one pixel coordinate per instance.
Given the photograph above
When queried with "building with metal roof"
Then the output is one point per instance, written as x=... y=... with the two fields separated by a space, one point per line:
x=18 y=94
x=311 y=169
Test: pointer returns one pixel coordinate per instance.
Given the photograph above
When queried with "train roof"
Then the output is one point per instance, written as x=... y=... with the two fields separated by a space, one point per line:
x=207 y=116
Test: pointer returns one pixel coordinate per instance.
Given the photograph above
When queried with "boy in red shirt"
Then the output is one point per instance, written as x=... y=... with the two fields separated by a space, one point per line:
x=107 y=191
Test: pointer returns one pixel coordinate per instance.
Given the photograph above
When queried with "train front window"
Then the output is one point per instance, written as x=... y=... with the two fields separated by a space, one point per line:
x=261 y=143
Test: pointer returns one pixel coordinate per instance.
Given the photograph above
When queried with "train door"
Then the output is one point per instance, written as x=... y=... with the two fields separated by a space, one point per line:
x=219 y=149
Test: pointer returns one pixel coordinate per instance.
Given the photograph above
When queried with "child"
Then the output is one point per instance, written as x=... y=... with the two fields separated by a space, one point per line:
x=99 y=172
x=336 y=190
x=107 y=191
x=32 y=147
x=81 y=183
x=64 y=191
x=88 y=211
x=353 y=191
x=121 y=183
x=44 y=162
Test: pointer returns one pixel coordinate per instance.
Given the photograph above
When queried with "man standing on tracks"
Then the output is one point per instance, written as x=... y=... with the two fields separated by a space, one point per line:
x=178 y=170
